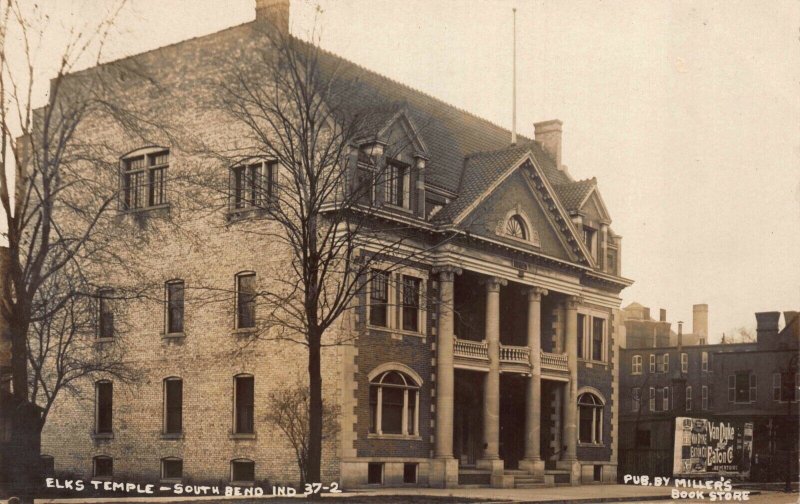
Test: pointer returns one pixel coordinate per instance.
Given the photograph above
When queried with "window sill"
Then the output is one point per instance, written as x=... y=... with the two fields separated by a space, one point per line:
x=170 y=481
x=173 y=336
x=245 y=331
x=243 y=483
x=102 y=435
x=172 y=435
x=241 y=214
x=407 y=437
x=100 y=341
x=241 y=436
x=395 y=331
x=144 y=210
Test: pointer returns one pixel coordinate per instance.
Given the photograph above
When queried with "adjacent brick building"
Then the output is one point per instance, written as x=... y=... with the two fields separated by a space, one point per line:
x=748 y=382
x=492 y=358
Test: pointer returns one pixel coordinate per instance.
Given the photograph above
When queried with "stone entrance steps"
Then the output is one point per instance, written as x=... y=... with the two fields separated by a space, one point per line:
x=523 y=479
x=474 y=477
x=557 y=477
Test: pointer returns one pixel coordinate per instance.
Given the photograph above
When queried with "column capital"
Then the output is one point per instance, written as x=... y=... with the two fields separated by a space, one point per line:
x=493 y=283
x=447 y=272
x=572 y=302
x=535 y=293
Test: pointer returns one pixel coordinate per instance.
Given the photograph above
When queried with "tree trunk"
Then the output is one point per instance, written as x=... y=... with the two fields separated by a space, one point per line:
x=314 y=460
x=19 y=360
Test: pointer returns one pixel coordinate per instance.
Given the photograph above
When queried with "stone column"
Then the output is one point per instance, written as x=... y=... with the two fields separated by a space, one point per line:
x=444 y=470
x=532 y=461
x=569 y=456
x=491 y=388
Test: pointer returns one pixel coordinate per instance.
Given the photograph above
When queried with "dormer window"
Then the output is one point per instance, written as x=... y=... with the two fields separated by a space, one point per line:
x=516 y=228
x=590 y=239
x=398 y=184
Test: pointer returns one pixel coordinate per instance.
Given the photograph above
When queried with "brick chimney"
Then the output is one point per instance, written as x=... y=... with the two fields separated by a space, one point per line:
x=700 y=322
x=767 y=326
x=548 y=133
x=662 y=315
x=274 y=12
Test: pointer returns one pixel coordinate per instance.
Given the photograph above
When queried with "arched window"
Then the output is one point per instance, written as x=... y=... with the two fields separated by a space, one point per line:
x=394 y=404
x=144 y=178
x=590 y=409
x=516 y=227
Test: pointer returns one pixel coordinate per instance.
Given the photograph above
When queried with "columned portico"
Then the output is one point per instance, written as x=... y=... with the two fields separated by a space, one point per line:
x=533 y=462
x=491 y=391
x=569 y=458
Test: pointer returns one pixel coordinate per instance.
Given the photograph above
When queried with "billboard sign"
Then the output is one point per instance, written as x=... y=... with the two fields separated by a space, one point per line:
x=708 y=446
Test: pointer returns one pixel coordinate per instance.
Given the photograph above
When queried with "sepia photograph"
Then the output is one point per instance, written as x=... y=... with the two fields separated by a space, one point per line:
x=371 y=251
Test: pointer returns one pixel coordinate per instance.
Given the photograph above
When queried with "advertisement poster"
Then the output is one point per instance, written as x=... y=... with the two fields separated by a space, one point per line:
x=709 y=446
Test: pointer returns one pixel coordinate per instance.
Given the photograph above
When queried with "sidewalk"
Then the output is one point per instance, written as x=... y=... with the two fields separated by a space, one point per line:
x=586 y=493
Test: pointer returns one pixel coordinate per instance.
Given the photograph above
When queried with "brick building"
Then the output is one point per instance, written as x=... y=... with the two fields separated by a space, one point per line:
x=498 y=366
x=747 y=382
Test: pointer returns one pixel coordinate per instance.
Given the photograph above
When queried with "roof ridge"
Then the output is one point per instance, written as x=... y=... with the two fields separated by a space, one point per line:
x=508 y=148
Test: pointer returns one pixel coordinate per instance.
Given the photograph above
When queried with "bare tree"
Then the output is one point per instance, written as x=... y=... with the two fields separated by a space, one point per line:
x=289 y=411
x=56 y=192
x=309 y=160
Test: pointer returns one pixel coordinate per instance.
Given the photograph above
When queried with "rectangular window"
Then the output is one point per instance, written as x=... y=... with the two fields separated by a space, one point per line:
x=379 y=299
x=581 y=336
x=704 y=397
x=409 y=473
x=665 y=361
x=105 y=406
x=105 y=314
x=742 y=387
x=397 y=185
x=589 y=236
x=665 y=399
x=652 y=399
x=253 y=185
x=636 y=365
x=144 y=180
x=392 y=410
x=243 y=470
x=411 y=304
x=652 y=363
x=598 y=472
x=103 y=467
x=688 y=398
x=246 y=300
x=173 y=406
x=373 y=409
x=171 y=469
x=598 y=331
x=704 y=362
x=244 y=405
x=684 y=362
x=375 y=473
x=636 y=399
x=175 y=307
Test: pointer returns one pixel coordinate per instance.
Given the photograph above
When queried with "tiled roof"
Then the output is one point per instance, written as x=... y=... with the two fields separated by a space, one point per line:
x=572 y=194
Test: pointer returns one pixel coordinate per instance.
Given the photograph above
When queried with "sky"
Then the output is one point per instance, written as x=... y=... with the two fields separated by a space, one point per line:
x=687 y=112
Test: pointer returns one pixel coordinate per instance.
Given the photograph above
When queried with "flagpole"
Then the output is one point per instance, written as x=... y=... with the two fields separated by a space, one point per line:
x=514 y=85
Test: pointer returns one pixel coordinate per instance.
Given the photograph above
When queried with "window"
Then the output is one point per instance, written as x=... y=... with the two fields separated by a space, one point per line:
x=104 y=397
x=365 y=181
x=409 y=473
x=652 y=399
x=598 y=472
x=173 y=406
x=379 y=299
x=105 y=314
x=243 y=405
x=590 y=411
x=253 y=185
x=411 y=305
x=665 y=363
x=375 y=473
x=243 y=470
x=174 y=307
x=665 y=399
x=704 y=361
x=684 y=362
x=704 y=397
x=394 y=404
x=103 y=467
x=48 y=465
x=245 y=300
x=171 y=468
x=581 y=338
x=589 y=236
x=784 y=386
x=636 y=364
x=144 y=181
x=742 y=387
x=598 y=332
x=636 y=399
x=688 y=398
x=652 y=363
x=398 y=183
x=516 y=227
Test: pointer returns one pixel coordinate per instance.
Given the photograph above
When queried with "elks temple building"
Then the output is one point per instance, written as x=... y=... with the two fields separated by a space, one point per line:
x=489 y=360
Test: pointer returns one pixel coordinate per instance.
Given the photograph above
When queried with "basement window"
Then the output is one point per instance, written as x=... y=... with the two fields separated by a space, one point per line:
x=409 y=473
x=375 y=473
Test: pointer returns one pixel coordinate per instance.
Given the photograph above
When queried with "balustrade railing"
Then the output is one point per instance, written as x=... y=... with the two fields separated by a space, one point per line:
x=554 y=361
x=471 y=349
x=519 y=354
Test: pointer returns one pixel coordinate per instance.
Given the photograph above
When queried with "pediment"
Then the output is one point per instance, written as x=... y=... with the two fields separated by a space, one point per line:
x=402 y=135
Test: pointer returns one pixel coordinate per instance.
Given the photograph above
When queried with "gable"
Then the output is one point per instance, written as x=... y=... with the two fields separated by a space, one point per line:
x=402 y=141
x=514 y=194
x=593 y=209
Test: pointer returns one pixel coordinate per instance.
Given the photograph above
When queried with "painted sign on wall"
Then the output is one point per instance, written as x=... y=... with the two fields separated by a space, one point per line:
x=710 y=446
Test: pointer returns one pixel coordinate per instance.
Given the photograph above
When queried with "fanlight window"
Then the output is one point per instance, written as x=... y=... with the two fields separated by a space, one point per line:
x=516 y=228
x=394 y=404
x=590 y=409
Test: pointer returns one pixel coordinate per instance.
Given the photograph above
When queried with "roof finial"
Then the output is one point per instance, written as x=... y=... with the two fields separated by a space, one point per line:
x=514 y=84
